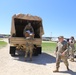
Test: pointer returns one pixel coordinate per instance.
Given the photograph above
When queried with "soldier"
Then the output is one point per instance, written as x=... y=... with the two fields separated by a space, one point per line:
x=29 y=29
x=61 y=53
x=29 y=35
x=29 y=47
x=72 y=43
x=68 y=46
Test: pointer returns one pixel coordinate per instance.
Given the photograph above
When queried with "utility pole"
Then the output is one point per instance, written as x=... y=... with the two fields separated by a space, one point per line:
x=51 y=35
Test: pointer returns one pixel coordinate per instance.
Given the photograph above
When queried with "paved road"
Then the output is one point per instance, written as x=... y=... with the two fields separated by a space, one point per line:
x=43 y=64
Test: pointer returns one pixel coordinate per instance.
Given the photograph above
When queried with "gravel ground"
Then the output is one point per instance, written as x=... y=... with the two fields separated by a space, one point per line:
x=43 y=64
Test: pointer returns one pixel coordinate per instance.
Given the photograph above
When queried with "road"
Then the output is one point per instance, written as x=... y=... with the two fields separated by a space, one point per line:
x=43 y=64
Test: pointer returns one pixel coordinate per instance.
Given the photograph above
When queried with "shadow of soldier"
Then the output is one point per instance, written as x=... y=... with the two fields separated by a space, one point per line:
x=41 y=59
x=68 y=72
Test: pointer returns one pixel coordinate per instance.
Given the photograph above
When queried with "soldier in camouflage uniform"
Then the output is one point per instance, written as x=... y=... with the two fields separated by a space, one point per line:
x=29 y=40
x=61 y=53
x=28 y=28
x=72 y=43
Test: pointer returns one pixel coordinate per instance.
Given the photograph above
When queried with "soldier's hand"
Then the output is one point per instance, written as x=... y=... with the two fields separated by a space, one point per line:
x=55 y=52
x=63 y=53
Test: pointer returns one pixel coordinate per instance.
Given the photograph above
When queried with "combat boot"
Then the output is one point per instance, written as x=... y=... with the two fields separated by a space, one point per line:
x=57 y=70
x=72 y=60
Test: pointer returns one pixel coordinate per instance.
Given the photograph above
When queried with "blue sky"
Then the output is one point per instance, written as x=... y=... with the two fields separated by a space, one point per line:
x=59 y=16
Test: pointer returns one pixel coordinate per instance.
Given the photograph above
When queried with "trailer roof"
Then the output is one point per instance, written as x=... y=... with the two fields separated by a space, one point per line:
x=27 y=17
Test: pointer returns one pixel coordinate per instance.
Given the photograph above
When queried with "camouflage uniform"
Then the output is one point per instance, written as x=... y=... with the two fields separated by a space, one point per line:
x=29 y=47
x=29 y=41
x=61 y=47
x=68 y=47
x=72 y=48
x=28 y=27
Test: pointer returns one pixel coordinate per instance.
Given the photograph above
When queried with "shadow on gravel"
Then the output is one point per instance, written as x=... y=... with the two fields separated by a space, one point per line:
x=68 y=72
x=41 y=59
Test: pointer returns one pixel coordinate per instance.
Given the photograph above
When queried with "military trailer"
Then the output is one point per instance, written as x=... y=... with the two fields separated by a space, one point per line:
x=17 y=40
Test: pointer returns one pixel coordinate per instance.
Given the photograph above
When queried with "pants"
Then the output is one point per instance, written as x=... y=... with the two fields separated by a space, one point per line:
x=71 y=53
x=59 y=58
x=29 y=48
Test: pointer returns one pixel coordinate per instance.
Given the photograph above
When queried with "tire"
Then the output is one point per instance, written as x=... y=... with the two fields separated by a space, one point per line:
x=12 y=50
x=74 y=56
x=39 y=50
x=35 y=52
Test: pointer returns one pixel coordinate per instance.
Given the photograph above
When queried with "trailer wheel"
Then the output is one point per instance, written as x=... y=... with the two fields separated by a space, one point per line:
x=39 y=49
x=12 y=50
x=35 y=51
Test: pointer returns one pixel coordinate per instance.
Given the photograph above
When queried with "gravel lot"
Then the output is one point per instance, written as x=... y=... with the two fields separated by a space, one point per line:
x=43 y=64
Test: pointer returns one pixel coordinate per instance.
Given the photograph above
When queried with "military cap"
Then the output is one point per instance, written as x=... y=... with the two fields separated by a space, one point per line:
x=61 y=37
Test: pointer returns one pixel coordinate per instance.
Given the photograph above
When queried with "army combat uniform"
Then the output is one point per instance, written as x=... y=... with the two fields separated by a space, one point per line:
x=72 y=48
x=29 y=47
x=61 y=47
x=29 y=41
x=28 y=28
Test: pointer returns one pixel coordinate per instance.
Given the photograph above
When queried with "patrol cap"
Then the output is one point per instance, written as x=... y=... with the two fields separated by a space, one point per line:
x=29 y=24
x=72 y=37
x=61 y=37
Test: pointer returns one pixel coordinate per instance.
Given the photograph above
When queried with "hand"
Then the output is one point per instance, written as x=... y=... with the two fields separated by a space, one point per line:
x=55 y=52
x=63 y=53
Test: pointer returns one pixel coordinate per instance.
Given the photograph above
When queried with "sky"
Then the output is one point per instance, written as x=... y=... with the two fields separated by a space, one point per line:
x=58 y=16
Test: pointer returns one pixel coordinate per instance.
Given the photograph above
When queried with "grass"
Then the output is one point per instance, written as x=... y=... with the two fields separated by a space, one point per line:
x=48 y=46
x=2 y=44
x=1 y=39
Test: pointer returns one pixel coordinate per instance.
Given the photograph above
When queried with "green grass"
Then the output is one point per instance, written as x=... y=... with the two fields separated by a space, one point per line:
x=48 y=46
x=2 y=44
x=1 y=39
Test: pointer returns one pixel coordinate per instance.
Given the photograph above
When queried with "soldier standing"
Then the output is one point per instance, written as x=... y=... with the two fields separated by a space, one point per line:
x=72 y=45
x=68 y=46
x=61 y=53
x=29 y=35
